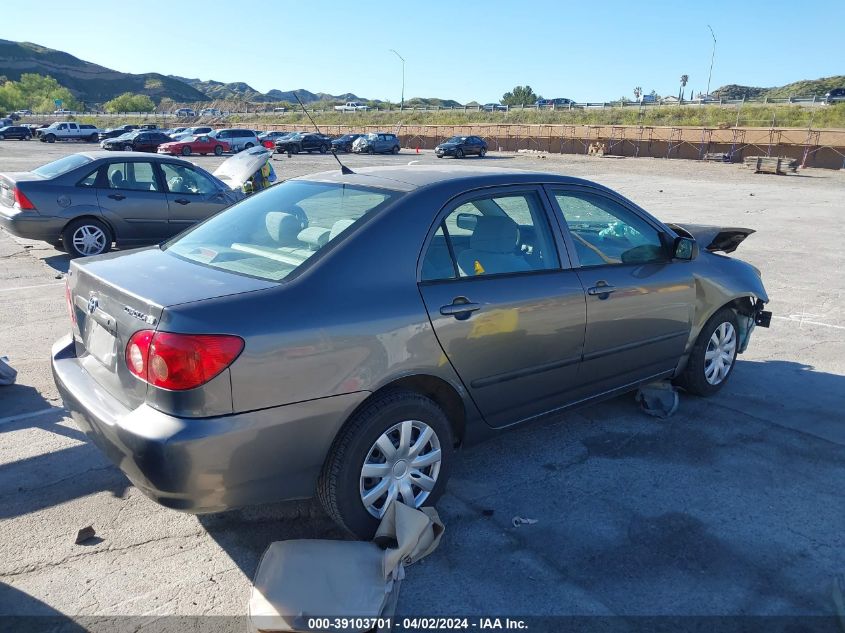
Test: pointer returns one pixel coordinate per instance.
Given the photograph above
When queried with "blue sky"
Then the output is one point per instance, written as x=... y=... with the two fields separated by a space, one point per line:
x=465 y=50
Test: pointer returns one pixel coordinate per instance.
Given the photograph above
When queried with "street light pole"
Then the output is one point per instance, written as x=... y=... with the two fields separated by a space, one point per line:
x=402 y=104
x=712 y=57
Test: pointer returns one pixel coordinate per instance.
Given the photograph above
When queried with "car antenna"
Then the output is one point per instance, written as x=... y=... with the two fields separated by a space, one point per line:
x=343 y=168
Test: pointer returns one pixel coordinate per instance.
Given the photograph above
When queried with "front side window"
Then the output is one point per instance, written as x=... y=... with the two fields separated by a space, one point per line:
x=492 y=235
x=184 y=179
x=272 y=234
x=605 y=232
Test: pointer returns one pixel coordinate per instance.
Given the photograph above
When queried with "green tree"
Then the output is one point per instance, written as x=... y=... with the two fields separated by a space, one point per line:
x=520 y=95
x=128 y=102
x=684 y=80
x=36 y=92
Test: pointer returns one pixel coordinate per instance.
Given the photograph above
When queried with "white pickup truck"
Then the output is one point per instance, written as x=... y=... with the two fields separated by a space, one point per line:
x=67 y=131
x=352 y=106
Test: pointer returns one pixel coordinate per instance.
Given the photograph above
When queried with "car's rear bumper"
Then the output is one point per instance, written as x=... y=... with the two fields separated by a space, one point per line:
x=205 y=464
x=31 y=225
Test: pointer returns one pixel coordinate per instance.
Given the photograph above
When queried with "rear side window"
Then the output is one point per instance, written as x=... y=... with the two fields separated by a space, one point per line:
x=131 y=176
x=272 y=234
x=62 y=166
x=492 y=235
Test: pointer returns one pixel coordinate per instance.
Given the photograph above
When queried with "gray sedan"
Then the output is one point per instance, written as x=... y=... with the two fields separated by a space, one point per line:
x=343 y=334
x=85 y=202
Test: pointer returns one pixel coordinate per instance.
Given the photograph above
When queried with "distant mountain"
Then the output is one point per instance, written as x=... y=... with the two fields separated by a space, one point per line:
x=88 y=82
x=240 y=91
x=804 y=88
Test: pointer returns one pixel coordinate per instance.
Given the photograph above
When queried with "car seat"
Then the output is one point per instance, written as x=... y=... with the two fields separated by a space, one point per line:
x=117 y=179
x=492 y=245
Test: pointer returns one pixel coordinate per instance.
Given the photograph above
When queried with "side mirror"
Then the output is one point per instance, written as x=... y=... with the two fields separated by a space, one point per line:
x=685 y=248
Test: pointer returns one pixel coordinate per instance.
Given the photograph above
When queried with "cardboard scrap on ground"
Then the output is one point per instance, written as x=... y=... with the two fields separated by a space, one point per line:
x=300 y=580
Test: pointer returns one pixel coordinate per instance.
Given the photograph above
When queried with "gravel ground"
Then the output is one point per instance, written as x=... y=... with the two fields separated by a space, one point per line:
x=733 y=506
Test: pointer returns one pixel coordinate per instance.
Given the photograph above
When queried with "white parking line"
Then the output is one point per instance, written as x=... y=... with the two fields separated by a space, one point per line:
x=797 y=318
x=24 y=416
x=30 y=287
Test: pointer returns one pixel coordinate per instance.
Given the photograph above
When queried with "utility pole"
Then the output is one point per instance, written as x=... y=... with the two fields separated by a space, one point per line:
x=402 y=103
x=712 y=57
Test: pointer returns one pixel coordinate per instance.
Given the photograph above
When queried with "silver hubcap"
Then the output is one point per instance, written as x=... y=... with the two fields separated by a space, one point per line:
x=89 y=240
x=720 y=354
x=403 y=464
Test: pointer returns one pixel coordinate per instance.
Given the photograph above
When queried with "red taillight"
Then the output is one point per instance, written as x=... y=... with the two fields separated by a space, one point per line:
x=21 y=201
x=69 y=301
x=180 y=361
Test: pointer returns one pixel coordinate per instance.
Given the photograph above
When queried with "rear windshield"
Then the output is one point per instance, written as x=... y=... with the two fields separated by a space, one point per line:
x=271 y=234
x=62 y=166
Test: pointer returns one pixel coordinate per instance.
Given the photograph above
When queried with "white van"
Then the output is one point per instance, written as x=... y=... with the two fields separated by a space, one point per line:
x=237 y=138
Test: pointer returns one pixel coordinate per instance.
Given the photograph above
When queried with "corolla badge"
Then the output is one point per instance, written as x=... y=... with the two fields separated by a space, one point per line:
x=149 y=319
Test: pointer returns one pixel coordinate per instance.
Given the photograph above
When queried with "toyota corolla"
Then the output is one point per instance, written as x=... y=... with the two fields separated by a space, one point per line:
x=342 y=334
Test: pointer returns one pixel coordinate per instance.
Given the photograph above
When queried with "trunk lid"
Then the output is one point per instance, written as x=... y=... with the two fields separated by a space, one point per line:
x=236 y=170
x=713 y=238
x=10 y=180
x=116 y=295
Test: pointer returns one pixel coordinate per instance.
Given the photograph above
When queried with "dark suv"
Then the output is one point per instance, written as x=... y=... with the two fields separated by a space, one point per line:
x=116 y=131
x=344 y=143
x=15 y=131
x=296 y=143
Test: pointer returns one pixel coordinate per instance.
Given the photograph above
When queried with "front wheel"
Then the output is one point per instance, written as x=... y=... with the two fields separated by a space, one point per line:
x=127 y=148
x=324 y=149
x=713 y=356
x=482 y=152
x=395 y=149
x=186 y=151
x=248 y=146
x=50 y=138
x=92 y=138
x=86 y=237
x=2 y=137
x=459 y=153
x=398 y=446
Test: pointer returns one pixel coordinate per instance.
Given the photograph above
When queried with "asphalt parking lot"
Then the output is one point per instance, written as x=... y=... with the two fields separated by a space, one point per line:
x=732 y=506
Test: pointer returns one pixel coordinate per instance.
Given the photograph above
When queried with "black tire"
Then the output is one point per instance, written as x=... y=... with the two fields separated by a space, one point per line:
x=71 y=228
x=324 y=149
x=396 y=149
x=371 y=150
x=92 y=138
x=186 y=151
x=2 y=137
x=50 y=138
x=27 y=137
x=459 y=153
x=439 y=155
x=128 y=148
x=249 y=146
x=338 y=485
x=693 y=378
x=296 y=149
x=218 y=150
x=482 y=152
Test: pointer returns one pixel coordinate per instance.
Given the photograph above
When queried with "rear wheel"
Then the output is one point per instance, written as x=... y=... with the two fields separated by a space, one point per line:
x=86 y=237
x=371 y=150
x=482 y=152
x=28 y=137
x=398 y=446
x=2 y=137
x=218 y=150
x=249 y=146
x=395 y=149
x=186 y=151
x=713 y=356
x=324 y=149
x=92 y=138
x=127 y=148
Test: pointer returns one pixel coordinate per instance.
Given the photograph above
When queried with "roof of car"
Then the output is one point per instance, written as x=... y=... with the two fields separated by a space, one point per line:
x=411 y=177
x=97 y=155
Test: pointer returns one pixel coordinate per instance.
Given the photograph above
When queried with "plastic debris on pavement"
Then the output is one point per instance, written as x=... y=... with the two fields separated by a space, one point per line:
x=659 y=399
x=517 y=521
x=8 y=374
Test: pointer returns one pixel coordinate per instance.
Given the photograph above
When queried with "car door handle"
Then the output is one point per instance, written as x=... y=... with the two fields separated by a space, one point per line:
x=182 y=201
x=601 y=289
x=460 y=309
x=116 y=196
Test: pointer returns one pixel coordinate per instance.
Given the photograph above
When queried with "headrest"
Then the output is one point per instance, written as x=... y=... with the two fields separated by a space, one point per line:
x=340 y=226
x=494 y=234
x=314 y=236
x=282 y=227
